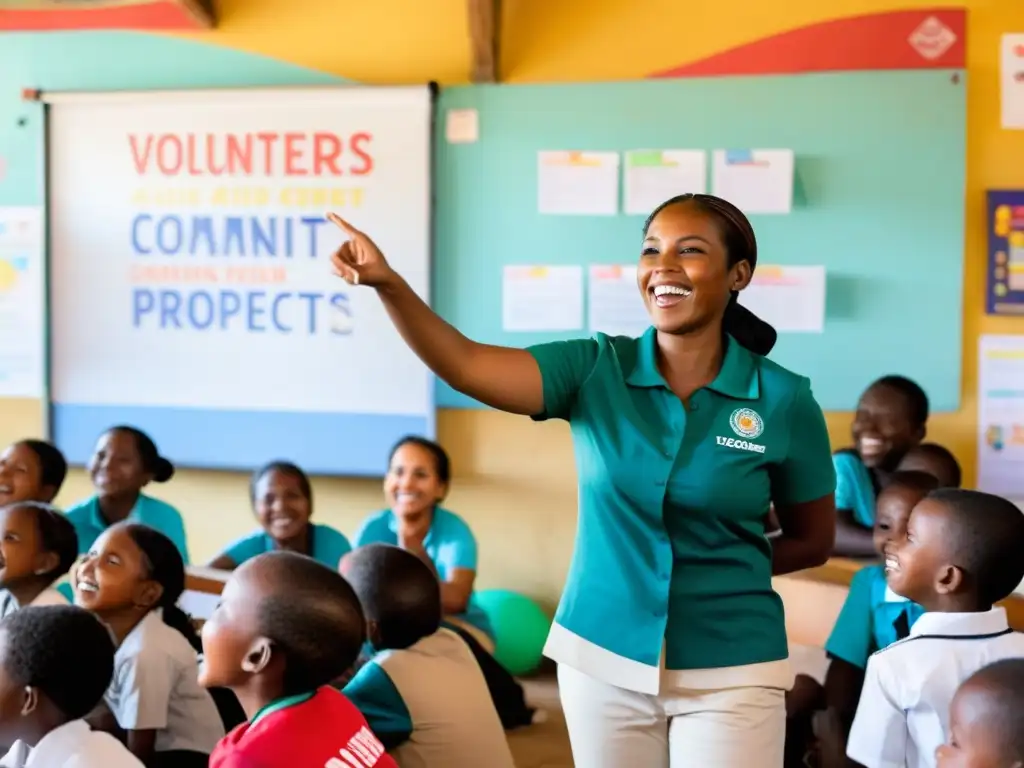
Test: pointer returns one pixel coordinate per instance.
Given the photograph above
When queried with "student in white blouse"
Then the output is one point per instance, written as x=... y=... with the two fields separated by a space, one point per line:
x=55 y=664
x=38 y=545
x=960 y=556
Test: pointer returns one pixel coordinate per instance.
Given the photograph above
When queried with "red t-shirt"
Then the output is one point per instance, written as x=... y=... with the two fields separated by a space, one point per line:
x=324 y=731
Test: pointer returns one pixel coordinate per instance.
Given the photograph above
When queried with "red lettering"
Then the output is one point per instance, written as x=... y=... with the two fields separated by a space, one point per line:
x=193 y=155
x=326 y=151
x=169 y=154
x=240 y=155
x=356 y=143
x=293 y=154
x=268 y=140
x=211 y=154
x=141 y=159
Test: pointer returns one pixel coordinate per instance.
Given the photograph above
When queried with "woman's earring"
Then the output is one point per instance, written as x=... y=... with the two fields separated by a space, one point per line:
x=31 y=701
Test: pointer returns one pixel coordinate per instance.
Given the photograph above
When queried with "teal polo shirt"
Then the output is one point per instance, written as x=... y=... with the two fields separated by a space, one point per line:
x=671 y=565
x=449 y=544
x=855 y=490
x=90 y=524
x=328 y=546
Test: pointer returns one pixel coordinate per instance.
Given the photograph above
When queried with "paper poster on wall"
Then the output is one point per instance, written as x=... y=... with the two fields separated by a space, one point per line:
x=22 y=302
x=1004 y=293
x=653 y=176
x=790 y=298
x=1001 y=415
x=1011 y=80
x=754 y=180
x=578 y=183
x=542 y=298
x=462 y=126
x=614 y=303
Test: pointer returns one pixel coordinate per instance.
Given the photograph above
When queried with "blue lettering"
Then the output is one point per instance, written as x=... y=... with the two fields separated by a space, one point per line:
x=311 y=223
x=230 y=305
x=235 y=235
x=202 y=229
x=170 y=305
x=136 y=245
x=200 y=310
x=278 y=323
x=169 y=227
x=342 y=308
x=264 y=239
x=256 y=311
x=311 y=299
x=143 y=302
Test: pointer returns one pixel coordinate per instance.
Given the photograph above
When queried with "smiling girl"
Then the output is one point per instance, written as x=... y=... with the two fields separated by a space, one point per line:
x=123 y=463
x=37 y=547
x=31 y=470
x=282 y=500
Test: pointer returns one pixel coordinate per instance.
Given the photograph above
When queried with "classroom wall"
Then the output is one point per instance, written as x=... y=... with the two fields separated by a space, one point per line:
x=514 y=479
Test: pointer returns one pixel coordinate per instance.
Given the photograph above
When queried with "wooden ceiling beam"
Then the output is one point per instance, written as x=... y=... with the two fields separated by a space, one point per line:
x=483 y=37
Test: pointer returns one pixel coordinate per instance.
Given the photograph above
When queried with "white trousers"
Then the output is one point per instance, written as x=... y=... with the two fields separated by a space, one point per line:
x=611 y=727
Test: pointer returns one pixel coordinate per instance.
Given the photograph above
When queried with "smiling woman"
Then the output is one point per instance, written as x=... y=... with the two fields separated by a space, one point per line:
x=684 y=438
x=282 y=500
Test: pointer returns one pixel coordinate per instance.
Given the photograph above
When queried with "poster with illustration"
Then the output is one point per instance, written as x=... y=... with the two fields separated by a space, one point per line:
x=1005 y=280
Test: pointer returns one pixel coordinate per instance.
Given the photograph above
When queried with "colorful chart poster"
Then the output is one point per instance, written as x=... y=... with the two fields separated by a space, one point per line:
x=1005 y=283
x=22 y=304
x=1001 y=416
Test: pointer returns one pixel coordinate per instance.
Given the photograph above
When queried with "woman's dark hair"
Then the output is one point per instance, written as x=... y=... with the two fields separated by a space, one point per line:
x=56 y=534
x=748 y=329
x=443 y=465
x=165 y=566
x=285 y=468
x=53 y=467
x=161 y=469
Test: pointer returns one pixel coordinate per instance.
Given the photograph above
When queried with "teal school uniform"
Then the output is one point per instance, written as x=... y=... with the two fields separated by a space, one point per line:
x=671 y=555
x=90 y=525
x=855 y=489
x=450 y=544
x=867 y=622
x=328 y=546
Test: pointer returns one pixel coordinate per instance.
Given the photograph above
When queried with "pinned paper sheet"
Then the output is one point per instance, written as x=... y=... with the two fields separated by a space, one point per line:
x=578 y=183
x=22 y=302
x=462 y=126
x=1001 y=416
x=614 y=304
x=1011 y=79
x=539 y=298
x=755 y=180
x=790 y=298
x=653 y=176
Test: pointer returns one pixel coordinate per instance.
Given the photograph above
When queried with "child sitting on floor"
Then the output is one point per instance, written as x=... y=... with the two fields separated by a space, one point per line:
x=960 y=556
x=936 y=461
x=423 y=692
x=132 y=579
x=55 y=664
x=986 y=720
x=286 y=626
x=37 y=546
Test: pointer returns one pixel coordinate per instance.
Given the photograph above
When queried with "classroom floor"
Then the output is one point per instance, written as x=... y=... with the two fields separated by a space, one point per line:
x=546 y=744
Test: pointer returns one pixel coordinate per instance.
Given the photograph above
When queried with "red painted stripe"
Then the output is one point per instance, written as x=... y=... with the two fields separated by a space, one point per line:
x=155 y=15
x=928 y=39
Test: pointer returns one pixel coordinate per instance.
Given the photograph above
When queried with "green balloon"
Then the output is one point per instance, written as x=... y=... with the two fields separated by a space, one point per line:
x=520 y=629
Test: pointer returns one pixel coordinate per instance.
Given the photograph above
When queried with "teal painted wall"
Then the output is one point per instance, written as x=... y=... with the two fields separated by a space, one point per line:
x=879 y=190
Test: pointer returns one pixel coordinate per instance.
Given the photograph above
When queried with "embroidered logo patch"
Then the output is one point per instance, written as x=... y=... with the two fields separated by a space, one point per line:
x=746 y=423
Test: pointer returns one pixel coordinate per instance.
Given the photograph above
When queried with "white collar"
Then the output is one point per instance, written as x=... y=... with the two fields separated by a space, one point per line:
x=961 y=624
x=54 y=747
x=892 y=597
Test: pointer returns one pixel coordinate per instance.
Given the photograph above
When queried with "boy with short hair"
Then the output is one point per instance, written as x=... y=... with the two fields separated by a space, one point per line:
x=287 y=626
x=960 y=555
x=423 y=692
x=986 y=719
x=936 y=460
x=55 y=665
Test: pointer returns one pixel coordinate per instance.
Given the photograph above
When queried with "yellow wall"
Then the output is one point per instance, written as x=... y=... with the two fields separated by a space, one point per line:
x=515 y=481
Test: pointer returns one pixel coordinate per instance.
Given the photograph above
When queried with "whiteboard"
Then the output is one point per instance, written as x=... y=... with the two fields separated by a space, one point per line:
x=190 y=285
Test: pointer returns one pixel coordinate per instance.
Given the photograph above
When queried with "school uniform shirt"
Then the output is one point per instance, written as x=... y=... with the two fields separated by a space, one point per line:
x=855 y=489
x=90 y=524
x=49 y=596
x=903 y=714
x=320 y=731
x=155 y=687
x=868 y=620
x=671 y=563
x=449 y=543
x=430 y=706
x=72 y=745
x=328 y=546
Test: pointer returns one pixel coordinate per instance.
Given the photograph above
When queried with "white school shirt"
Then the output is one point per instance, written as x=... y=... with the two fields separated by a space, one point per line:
x=49 y=596
x=155 y=687
x=903 y=714
x=72 y=745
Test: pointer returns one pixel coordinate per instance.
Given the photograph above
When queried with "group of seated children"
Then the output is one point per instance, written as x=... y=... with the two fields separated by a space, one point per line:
x=948 y=556
x=115 y=681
